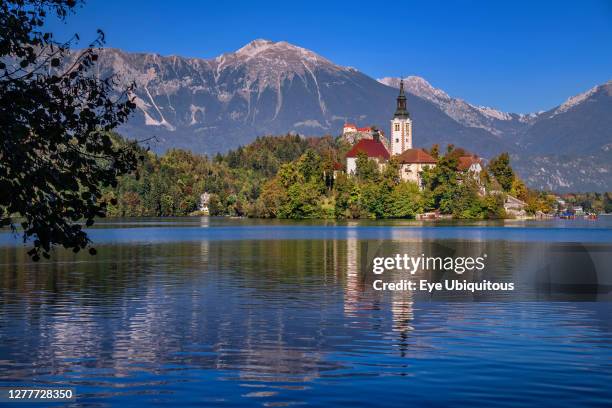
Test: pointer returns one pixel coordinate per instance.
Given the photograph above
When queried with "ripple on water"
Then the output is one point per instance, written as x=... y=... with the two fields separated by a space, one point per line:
x=281 y=323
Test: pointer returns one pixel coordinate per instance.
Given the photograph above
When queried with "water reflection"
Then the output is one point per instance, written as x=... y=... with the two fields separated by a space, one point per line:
x=297 y=321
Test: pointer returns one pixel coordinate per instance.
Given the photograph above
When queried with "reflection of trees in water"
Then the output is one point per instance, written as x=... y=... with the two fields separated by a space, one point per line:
x=131 y=309
x=266 y=309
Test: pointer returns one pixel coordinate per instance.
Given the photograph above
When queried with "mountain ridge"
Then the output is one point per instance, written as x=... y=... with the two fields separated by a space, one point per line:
x=266 y=87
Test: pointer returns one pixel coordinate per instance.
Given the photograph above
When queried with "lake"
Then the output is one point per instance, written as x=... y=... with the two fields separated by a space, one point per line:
x=238 y=312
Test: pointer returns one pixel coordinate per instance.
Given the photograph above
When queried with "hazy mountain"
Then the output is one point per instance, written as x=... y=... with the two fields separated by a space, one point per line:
x=210 y=105
x=581 y=125
x=566 y=172
x=493 y=121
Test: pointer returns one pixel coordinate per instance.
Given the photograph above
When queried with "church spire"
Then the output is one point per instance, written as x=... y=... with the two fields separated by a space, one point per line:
x=401 y=111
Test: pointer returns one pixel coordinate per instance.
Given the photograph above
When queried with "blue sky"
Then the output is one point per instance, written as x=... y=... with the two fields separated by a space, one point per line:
x=518 y=56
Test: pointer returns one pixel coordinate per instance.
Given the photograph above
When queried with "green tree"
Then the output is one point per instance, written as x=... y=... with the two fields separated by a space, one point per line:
x=289 y=175
x=343 y=189
x=493 y=206
x=373 y=199
x=441 y=184
x=500 y=168
x=390 y=176
x=405 y=201
x=310 y=166
x=466 y=203
x=56 y=150
x=607 y=203
x=367 y=169
x=302 y=202
x=215 y=205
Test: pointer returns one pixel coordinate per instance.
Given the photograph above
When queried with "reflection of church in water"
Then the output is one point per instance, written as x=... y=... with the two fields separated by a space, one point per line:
x=361 y=299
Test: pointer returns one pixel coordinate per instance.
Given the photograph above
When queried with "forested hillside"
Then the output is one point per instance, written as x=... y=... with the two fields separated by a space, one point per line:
x=294 y=177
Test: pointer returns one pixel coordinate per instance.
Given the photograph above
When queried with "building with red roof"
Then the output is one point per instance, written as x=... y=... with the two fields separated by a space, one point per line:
x=349 y=128
x=352 y=128
x=470 y=166
x=415 y=156
x=469 y=163
x=372 y=148
x=413 y=162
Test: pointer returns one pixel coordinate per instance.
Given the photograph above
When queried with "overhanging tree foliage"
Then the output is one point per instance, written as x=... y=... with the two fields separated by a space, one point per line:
x=56 y=151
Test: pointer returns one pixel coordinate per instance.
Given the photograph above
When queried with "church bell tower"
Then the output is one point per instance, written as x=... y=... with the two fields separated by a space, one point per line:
x=401 y=125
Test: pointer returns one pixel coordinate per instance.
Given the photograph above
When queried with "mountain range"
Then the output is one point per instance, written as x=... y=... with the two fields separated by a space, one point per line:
x=265 y=87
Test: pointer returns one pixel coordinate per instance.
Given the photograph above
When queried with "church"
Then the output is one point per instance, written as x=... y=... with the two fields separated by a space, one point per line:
x=412 y=160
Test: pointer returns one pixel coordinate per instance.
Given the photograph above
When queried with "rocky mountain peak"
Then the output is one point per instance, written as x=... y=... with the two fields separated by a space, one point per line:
x=255 y=47
x=278 y=54
x=575 y=100
x=461 y=111
x=417 y=86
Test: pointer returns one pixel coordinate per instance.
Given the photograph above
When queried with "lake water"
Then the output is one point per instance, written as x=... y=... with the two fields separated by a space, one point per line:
x=222 y=312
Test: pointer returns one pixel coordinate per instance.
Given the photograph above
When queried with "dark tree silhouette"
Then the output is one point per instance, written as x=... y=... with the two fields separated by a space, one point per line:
x=56 y=149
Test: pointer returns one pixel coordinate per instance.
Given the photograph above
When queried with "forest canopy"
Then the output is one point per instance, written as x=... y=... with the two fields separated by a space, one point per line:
x=294 y=177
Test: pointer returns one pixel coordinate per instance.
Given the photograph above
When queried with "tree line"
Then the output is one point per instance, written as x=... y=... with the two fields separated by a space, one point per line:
x=293 y=177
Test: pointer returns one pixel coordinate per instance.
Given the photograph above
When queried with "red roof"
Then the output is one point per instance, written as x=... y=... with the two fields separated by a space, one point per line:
x=415 y=156
x=372 y=148
x=465 y=162
x=364 y=129
x=350 y=125
x=338 y=166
